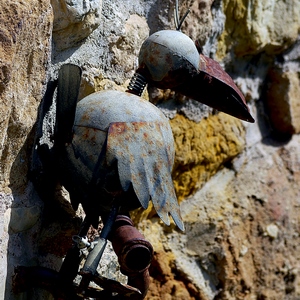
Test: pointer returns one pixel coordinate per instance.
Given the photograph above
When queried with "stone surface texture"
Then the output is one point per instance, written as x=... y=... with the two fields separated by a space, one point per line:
x=283 y=100
x=237 y=183
x=74 y=21
x=253 y=27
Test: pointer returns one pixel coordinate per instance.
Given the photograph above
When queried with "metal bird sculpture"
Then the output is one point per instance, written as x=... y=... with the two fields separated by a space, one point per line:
x=169 y=59
x=115 y=152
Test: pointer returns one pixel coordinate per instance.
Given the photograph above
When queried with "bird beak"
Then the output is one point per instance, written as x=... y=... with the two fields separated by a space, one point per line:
x=215 y=88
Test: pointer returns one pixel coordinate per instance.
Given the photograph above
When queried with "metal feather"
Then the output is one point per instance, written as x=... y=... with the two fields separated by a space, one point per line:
x=144 y=154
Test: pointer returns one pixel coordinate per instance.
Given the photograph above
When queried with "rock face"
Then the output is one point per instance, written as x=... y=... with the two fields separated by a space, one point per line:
x=74 y=21
x=255 y=27
x=240 y=232
x=202 y=148
x=24 y=60
x=25 y=52
x=238 y=183
x=283 y=100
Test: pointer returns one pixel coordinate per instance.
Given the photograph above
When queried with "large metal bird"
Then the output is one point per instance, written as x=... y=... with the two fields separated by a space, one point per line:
x=119 y=151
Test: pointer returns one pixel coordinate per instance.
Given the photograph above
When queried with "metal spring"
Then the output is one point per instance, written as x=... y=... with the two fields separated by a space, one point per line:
x=137 y=84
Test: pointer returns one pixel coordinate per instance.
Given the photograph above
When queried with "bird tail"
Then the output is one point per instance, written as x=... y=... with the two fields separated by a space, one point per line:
x=144 y=152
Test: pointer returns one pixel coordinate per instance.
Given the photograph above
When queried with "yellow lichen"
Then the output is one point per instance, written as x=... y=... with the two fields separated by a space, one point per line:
x=235 y=25
x=255 y=26
x=202 y=148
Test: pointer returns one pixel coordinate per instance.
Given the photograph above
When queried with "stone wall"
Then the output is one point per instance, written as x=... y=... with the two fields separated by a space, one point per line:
x=238 y=183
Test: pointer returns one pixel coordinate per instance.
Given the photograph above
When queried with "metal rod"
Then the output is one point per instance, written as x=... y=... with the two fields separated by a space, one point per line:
x=176 y=15
x=177 y=20
x=109 y=222
x=90 y=267
x=70 y=265
x=94 y=258
x=183 y=18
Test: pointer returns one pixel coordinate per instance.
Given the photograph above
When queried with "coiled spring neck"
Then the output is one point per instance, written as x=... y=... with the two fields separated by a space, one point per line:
x=137 y=84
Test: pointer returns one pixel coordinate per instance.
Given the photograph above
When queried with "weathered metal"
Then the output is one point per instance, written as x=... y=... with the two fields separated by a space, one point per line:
x=60 y=284
x=114 y=286
x=215 y=88
x=122 y=152
x=134 y=255
x=140 y=281
x=92 y=261
x=69 y=268
x=68 y=89
x=137 y=84
x=169 y=59
x=134 y=252
x=118 y=154
x=214 y=70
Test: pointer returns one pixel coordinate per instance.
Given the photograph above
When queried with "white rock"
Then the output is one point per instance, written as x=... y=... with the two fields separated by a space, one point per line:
x=272 y=231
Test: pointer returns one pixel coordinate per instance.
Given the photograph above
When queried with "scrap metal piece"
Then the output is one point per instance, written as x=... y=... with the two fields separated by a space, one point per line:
x=115 y=286
x=50 y=280
x=213 y=68
x=69 y=78
x=134 y=254
x=90 y=267
x=83 y=242
x=94 y=257
x=69 y=268
x=137 y=84
x=140 y=281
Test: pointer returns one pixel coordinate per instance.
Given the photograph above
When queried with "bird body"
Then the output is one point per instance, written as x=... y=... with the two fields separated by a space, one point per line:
x=122 y=150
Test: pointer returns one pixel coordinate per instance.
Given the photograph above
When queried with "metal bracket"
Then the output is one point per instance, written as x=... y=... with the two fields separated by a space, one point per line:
x=126 y=240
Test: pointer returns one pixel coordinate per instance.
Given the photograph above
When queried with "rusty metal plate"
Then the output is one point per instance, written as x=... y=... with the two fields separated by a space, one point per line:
x=144 y=152
x=118 y=127
x=213 y=68
x=215 y=88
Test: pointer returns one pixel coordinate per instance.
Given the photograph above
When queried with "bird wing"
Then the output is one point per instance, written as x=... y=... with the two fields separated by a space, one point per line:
x=145 y=155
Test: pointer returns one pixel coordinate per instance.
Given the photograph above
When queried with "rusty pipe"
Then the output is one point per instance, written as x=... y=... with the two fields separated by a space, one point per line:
x=134 y=254
x=133 y=251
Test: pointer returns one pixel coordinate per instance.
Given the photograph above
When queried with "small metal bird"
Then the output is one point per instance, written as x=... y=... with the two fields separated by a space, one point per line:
x=169 y=59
